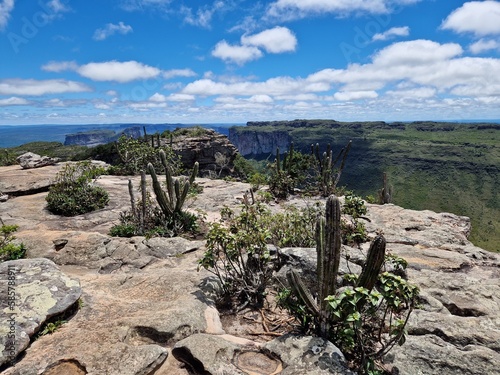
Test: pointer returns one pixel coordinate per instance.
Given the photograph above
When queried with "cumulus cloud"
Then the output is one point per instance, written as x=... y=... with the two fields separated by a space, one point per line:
x=235 y=53
x=118 y=71
x=31 y=87
x=478 y=17
x=276 y=40
x=172 y=73
x=13 y=101
x=393 y=32
x=180 y=97
x=6 y=7
x=111 y=29
x=60 y=66
x=484 y=45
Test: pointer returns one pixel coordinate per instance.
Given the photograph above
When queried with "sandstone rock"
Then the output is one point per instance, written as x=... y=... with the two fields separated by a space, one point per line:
x=127 y=323
x=206 y=149
x=308 y=355
x=41 y=291
x=30 y=160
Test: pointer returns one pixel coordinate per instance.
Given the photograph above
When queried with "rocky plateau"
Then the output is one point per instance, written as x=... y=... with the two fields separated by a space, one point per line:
x=140 y=306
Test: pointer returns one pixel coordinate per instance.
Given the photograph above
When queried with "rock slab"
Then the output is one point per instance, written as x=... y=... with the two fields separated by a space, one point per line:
x=33 y=290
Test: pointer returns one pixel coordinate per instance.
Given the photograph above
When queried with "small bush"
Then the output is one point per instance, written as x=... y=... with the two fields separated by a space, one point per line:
x=8 y=249
x=237 y=254
x=74 y=192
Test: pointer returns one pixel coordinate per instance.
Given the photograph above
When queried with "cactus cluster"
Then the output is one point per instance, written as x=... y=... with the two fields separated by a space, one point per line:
x=329 y=176
x=171 y=200
x=328 y=248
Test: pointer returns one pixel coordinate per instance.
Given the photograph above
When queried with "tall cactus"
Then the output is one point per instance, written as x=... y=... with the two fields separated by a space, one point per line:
x=374 y=260
x=328 y=247
x=173 y=199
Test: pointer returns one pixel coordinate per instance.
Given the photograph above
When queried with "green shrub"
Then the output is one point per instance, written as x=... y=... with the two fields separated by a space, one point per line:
x=136 y=154
x=8 y=249
x=7 y=158
x=74 y=192
x=237 y=254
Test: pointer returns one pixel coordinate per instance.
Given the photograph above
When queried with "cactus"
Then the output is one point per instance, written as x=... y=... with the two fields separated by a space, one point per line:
x=172 y=200
x=328 y=247
x=373 y=264
x=385 y=194
x=328 y=176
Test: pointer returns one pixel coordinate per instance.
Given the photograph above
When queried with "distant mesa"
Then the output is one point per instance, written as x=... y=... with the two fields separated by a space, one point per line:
x=98 y=137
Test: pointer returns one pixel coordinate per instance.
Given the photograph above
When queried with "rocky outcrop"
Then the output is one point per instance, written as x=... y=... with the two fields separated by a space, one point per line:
x=98 y=137
x=213 y=151
x=31 y=160
x=33 y=291
x=251 y=142
x=143 y=298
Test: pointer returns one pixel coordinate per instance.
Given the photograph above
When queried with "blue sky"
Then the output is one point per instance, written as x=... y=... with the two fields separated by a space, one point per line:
x=232 y=61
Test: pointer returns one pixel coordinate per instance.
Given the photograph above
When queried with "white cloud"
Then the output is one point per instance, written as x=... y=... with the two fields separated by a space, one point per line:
x=478 y=17
x=273 y=86
x=354 y=95
x=60 y=66
x=203 y=16
x=420 y=93
x=392 y=32
x=156 y=97
x=102 y=106
x=260 y=99
x=178 y=73
x=13 y=101
x=416 y=52
x=112 y=93
x=118 y=71
x=57 y=6
x=181 y=97
x=111 y=29
x=484 y=45
x=31 y=87
x=276 y=40
x=140 y=5
x=236 y=54
x=290 y=9
x=6 y=7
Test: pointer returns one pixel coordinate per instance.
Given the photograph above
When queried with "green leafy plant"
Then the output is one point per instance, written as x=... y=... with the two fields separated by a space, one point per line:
x=74 y=192
x=353 y=230
x=50 y=327
x=7 y=158
x=8 y=249
x=237 y=254
x=367 y=317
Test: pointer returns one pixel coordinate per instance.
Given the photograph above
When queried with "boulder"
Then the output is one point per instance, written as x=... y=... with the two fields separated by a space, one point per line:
x=34 y=290
x=31 y=160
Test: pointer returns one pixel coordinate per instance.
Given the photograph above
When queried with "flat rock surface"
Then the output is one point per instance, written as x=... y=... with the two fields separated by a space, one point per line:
x=38 y=291
x=142 y=297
